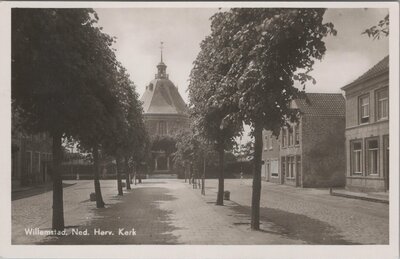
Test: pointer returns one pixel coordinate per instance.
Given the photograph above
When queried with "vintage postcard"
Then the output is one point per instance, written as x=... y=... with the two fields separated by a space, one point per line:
x=199 y=130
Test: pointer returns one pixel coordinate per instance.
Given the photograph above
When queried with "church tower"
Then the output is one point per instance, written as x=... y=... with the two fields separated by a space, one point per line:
x=165 y=114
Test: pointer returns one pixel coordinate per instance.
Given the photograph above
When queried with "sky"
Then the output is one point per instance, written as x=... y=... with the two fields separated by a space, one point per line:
x=139 y=32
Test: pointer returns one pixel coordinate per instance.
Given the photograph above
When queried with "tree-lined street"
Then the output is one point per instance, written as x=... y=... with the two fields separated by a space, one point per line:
x=70 y=89
x=169 y=211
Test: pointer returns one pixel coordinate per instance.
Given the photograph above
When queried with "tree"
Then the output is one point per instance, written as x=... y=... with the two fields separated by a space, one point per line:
x=128 y=132
x=245 y=151
x=192 y=149
x=206 y=110
x=267 y=51
x=377 y=31
x=55 y=68
x=136 y=138
x=102 y=105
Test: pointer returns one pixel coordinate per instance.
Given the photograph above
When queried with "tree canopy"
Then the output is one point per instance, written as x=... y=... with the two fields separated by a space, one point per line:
x=247 y=69
x=268 y=49
x=66 y=81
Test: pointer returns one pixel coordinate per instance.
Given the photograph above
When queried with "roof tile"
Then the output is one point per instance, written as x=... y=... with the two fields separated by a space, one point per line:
x=322 y=104
x=378 y=68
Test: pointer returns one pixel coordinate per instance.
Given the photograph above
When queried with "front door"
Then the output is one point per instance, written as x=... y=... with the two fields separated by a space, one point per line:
x=274 y=168
x=386 y=161
x=264 y=172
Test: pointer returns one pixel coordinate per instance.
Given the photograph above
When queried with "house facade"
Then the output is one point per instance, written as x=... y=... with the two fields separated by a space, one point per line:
x=309 y=153
x=367 y=130
x=31 y=157
x=270 y=156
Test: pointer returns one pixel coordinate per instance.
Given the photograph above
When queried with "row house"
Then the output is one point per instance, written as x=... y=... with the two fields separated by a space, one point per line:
x=31 y=154
x=31 y=157
x=367 y=130
x=309 y=153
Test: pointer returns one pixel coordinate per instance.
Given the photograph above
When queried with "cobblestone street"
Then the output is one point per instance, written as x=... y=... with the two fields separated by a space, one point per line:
x=313 y=215
x=169 y=211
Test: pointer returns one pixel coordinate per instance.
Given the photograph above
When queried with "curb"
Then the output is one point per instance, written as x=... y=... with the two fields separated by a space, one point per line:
x=359 y=197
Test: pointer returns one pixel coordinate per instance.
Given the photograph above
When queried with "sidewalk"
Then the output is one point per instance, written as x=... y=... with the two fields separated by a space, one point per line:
x=382 y=197
x=161 y=211
x=169 y=211
x=20 y=192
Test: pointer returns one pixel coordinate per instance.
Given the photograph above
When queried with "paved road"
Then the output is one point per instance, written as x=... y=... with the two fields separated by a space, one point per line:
x=171 y=212
x=312 y=215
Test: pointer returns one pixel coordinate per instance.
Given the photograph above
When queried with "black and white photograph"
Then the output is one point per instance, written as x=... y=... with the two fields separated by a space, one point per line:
x=199 y=129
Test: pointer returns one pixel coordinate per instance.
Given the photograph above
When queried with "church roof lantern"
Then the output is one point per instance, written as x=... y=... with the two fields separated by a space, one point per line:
x=161 y=95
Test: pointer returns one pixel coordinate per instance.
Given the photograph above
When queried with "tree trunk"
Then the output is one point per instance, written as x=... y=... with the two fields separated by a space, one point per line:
x=220 y=195
x=97 y=188
x=119 y=182
x=185 y=169
x=203 y=178
x=190 y=173
x=255 y=199
x=140 y=175
x=58 y=206
x=127 y=174
x=135 y=173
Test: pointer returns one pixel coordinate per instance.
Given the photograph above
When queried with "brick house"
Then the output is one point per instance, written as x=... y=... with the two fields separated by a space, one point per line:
x=309 y=153
x=367 y=130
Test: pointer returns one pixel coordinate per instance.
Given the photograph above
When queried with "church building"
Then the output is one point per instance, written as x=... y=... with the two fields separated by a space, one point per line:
x=165 y=114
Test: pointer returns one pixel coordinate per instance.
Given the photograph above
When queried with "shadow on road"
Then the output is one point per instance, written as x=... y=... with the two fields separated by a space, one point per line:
x=138 y=209
x=35 y=190
x=152 y=182
x=296 y=226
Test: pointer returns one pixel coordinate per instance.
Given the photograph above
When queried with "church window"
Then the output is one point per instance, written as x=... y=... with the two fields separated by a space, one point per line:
x=162 y=127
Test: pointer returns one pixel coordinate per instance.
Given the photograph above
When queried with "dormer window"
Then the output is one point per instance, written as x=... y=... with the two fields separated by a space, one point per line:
x=151 y=87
